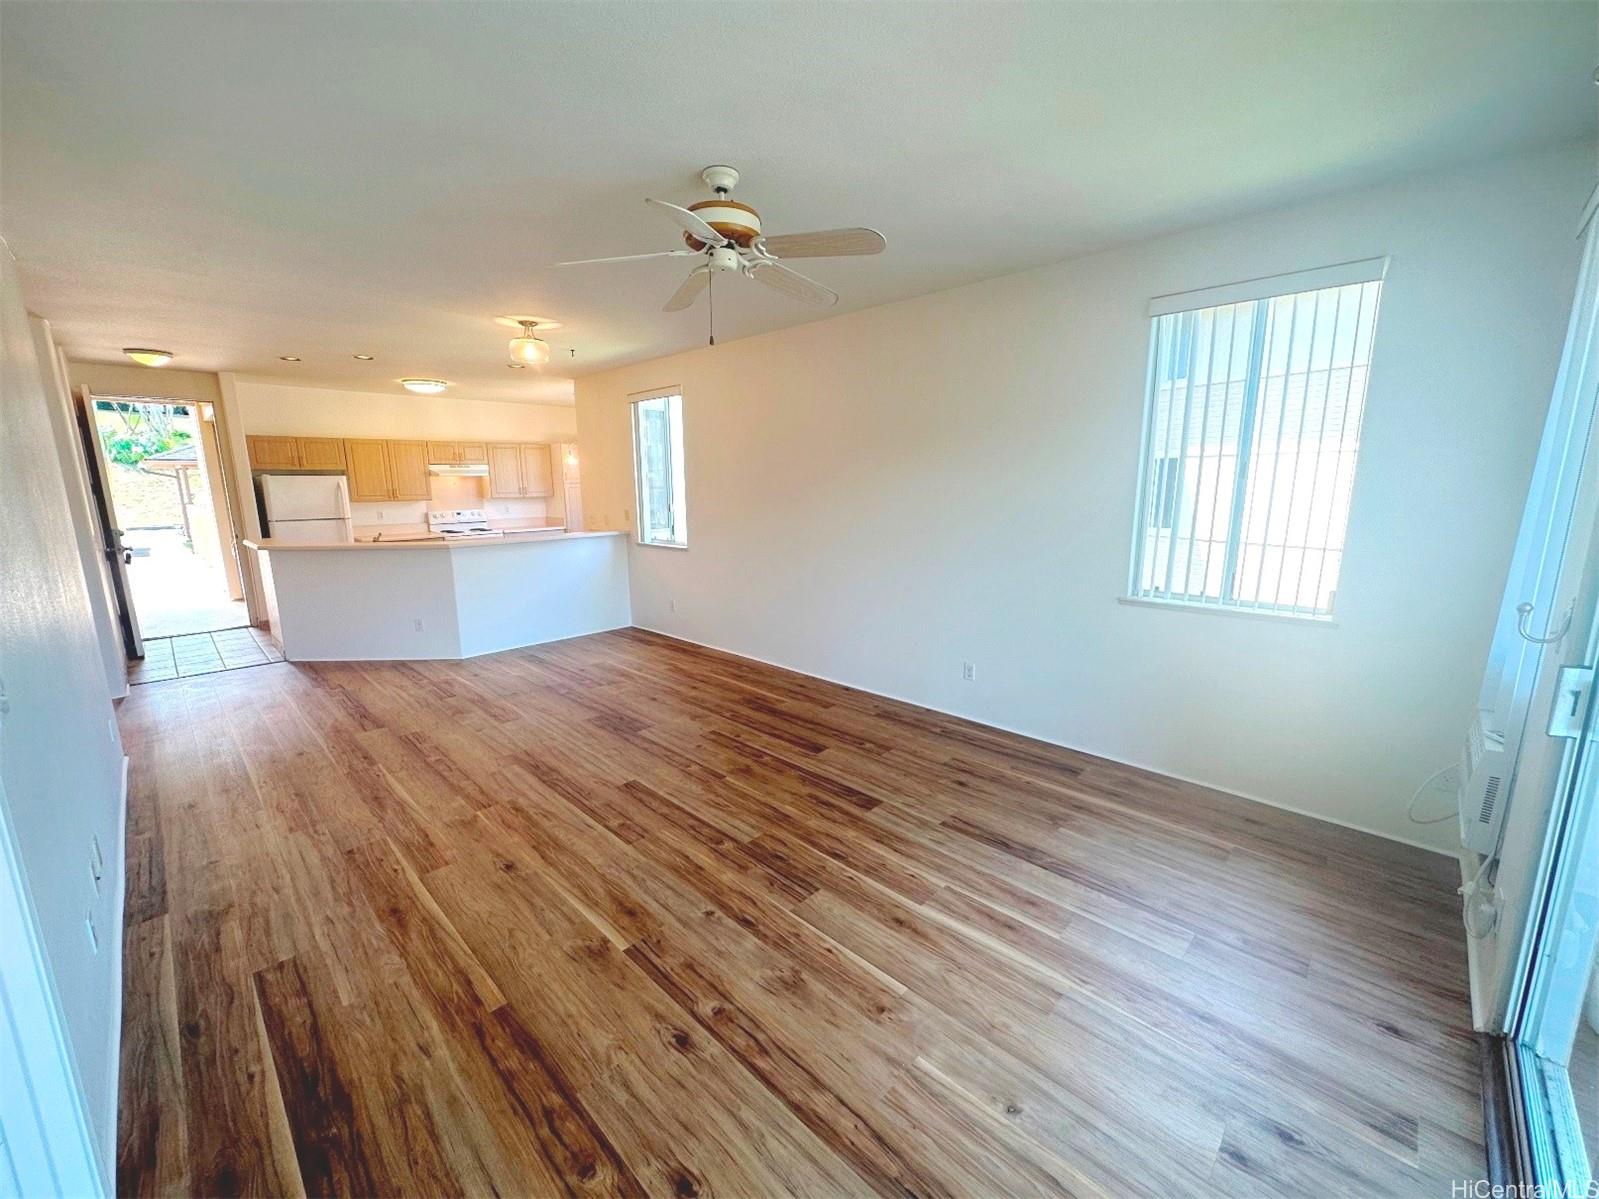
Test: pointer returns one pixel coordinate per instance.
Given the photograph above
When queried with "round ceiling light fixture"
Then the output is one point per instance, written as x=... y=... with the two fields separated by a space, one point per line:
x=426 y=387
x=362 y=357
x=147 y=357
x=528 y=347
x=517 y=366
x=287 y=358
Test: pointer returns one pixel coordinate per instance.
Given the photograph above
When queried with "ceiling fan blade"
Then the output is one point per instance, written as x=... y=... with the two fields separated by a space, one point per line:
x=691 y=223
x=683 y=253
x=791 y=283
x=690 y=291
x=826 y=243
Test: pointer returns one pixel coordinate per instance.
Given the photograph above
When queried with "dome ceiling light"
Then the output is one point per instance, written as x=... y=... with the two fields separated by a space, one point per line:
x=426 y=387
x=146 y=357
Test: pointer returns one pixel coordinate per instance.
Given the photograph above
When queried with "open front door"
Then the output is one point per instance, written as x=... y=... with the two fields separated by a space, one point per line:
x=110 y=531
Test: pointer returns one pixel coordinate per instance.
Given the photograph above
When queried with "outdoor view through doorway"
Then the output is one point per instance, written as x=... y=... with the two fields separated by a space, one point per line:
x=168 y=497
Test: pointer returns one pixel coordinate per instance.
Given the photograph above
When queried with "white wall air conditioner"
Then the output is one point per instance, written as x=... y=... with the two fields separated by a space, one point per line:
x=1485 y=787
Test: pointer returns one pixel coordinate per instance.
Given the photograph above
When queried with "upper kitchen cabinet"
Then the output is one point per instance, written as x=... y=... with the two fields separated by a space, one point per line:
x=537 y=478
x=458 y=453
x=408 y=470
x=367 y=463
x=518 y=469
x=321 y=453
x=273 y=453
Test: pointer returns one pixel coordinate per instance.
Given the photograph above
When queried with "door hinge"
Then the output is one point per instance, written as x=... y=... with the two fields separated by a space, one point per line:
x=1573 y=692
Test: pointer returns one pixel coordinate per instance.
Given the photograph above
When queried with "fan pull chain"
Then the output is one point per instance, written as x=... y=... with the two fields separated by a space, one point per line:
x=710 y=295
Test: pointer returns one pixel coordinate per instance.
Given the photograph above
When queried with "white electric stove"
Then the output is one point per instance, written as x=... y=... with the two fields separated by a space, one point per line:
x=461 y=524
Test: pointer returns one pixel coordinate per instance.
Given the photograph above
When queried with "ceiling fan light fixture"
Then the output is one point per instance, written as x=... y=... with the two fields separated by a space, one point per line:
x=426 y=387
x=148 y=357
x=528 y=348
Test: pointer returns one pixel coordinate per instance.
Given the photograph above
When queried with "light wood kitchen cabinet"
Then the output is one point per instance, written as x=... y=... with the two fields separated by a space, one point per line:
x=519 y=469
x=321 y=453
x=367 y=467
x=273 y=453
x=505 y=470
x=537 y=478
x=408 y=470
x=458 y=453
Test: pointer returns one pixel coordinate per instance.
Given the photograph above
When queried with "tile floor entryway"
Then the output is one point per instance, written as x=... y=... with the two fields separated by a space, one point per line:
x=203 y=653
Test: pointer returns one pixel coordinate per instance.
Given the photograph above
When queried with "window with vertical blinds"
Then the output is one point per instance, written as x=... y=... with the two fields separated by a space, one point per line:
x=1251 y=436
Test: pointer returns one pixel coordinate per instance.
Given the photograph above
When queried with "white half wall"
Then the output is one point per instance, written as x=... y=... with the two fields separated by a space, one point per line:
x=61 y=761
x=878 y=497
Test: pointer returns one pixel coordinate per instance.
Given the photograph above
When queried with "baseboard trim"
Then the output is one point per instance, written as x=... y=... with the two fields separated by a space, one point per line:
x=118 y=878
x=1167 y=774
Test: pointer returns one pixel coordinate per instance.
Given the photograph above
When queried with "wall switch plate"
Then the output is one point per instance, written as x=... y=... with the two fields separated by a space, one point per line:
x=969 y=671
x=672 y=605
x=418 y=625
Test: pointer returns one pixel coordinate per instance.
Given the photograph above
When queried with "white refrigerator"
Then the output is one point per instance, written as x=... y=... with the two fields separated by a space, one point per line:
x=307 y=508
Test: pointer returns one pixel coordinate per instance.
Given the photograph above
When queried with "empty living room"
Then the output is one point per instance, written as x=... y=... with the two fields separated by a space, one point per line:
x=949 y=599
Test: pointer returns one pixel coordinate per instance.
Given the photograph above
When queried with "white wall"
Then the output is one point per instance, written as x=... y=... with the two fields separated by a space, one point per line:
x=60 y=754
x=264 y=407
x=878 y=497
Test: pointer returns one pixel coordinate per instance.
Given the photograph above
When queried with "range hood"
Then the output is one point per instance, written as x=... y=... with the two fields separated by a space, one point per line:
x=475 y=470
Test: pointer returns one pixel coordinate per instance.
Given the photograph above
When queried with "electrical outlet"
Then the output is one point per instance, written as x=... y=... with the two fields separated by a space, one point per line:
x=969 y=671
x=380 y=516
x=418 y=625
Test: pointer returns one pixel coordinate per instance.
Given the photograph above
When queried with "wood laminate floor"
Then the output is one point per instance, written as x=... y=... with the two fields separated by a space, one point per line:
x=625 y=916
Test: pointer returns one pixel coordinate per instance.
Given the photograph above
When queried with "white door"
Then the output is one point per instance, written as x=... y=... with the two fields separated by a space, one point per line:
x=45 y=1144
x=1547 y=624
x=305 y=497
x=116 y=553
x=311 y=532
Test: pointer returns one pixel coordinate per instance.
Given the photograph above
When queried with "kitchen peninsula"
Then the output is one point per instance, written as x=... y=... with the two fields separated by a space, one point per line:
x=398 y=600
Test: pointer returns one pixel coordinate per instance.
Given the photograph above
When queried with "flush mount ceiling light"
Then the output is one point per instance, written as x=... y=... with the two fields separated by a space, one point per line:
x=517 y=366
x=145 y=357
x=287 y=358
x=426 y=387
x=362 y=357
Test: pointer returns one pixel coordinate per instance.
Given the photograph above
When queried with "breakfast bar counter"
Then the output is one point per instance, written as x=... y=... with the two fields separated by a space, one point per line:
x=403 y=600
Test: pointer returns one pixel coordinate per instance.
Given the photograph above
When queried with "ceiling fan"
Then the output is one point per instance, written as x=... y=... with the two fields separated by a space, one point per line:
x=726 y=236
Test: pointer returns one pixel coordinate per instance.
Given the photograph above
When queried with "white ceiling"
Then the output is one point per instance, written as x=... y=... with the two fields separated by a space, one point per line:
x=238 y=181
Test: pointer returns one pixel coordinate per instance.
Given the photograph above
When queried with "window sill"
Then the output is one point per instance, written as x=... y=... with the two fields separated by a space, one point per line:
x=1300 y=618
x=660 y=545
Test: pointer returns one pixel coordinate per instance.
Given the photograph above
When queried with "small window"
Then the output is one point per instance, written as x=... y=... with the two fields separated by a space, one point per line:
x=658 y=466
x=1252 y=431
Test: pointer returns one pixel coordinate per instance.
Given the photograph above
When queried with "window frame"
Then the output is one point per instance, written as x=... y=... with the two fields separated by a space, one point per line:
x=1261 y=291
x=677 y=482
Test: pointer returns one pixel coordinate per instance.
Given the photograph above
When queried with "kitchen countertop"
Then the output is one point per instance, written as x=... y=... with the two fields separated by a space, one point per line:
x=423 y=533
x=550 y=534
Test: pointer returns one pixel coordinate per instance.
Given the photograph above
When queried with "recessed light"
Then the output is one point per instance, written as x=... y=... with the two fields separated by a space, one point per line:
x=287 y=358
x=427 y=387
x=362 y=357
x=146 y=357
x=517 y=366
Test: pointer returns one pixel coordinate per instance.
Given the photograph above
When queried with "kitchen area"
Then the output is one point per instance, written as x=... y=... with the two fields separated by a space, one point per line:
x=406 y=548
